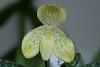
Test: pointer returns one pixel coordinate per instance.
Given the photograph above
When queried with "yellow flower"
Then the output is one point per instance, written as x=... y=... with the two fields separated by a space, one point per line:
x=48 y=39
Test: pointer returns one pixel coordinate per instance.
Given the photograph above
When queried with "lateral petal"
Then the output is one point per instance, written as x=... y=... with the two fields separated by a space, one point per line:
x=31 y=42
x=64 y=49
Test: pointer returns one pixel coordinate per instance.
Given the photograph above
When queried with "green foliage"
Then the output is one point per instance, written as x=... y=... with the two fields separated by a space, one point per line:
x=95 y=64
x=6 y=63
x=7 y=12
x=36 y=62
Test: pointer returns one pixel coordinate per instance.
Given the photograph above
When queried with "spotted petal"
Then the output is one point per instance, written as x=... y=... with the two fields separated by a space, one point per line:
x=31 y=42
x=51 y=14
x=64 y=49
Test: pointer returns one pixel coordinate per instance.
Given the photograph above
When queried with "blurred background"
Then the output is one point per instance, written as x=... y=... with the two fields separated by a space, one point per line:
x=17 y=17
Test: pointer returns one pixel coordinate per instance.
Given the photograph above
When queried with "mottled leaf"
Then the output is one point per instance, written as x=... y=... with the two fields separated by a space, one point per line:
x=6 y=63
x=94 y=64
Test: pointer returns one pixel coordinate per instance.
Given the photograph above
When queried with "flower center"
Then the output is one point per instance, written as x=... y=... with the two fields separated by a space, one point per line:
x=48 y=34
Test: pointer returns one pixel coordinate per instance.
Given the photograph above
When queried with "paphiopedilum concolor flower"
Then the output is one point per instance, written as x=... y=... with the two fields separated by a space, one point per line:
x=48 y=39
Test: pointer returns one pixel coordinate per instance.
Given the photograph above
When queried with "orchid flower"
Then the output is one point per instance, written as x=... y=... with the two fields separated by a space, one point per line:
x=48 y=39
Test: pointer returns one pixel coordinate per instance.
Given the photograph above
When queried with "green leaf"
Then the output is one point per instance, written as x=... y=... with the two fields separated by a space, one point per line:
x=95 y=64
x=7 y=12
x=32 y=14
x=74 y=62
x=6 y=63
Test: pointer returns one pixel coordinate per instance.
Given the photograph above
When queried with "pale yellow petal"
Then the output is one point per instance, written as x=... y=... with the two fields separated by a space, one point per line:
x=64 y=49
x=31 y=42
x=47 y=45
x=51 y=14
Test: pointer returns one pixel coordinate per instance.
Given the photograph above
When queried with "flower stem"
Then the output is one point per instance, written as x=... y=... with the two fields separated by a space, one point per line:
x=47 y=63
